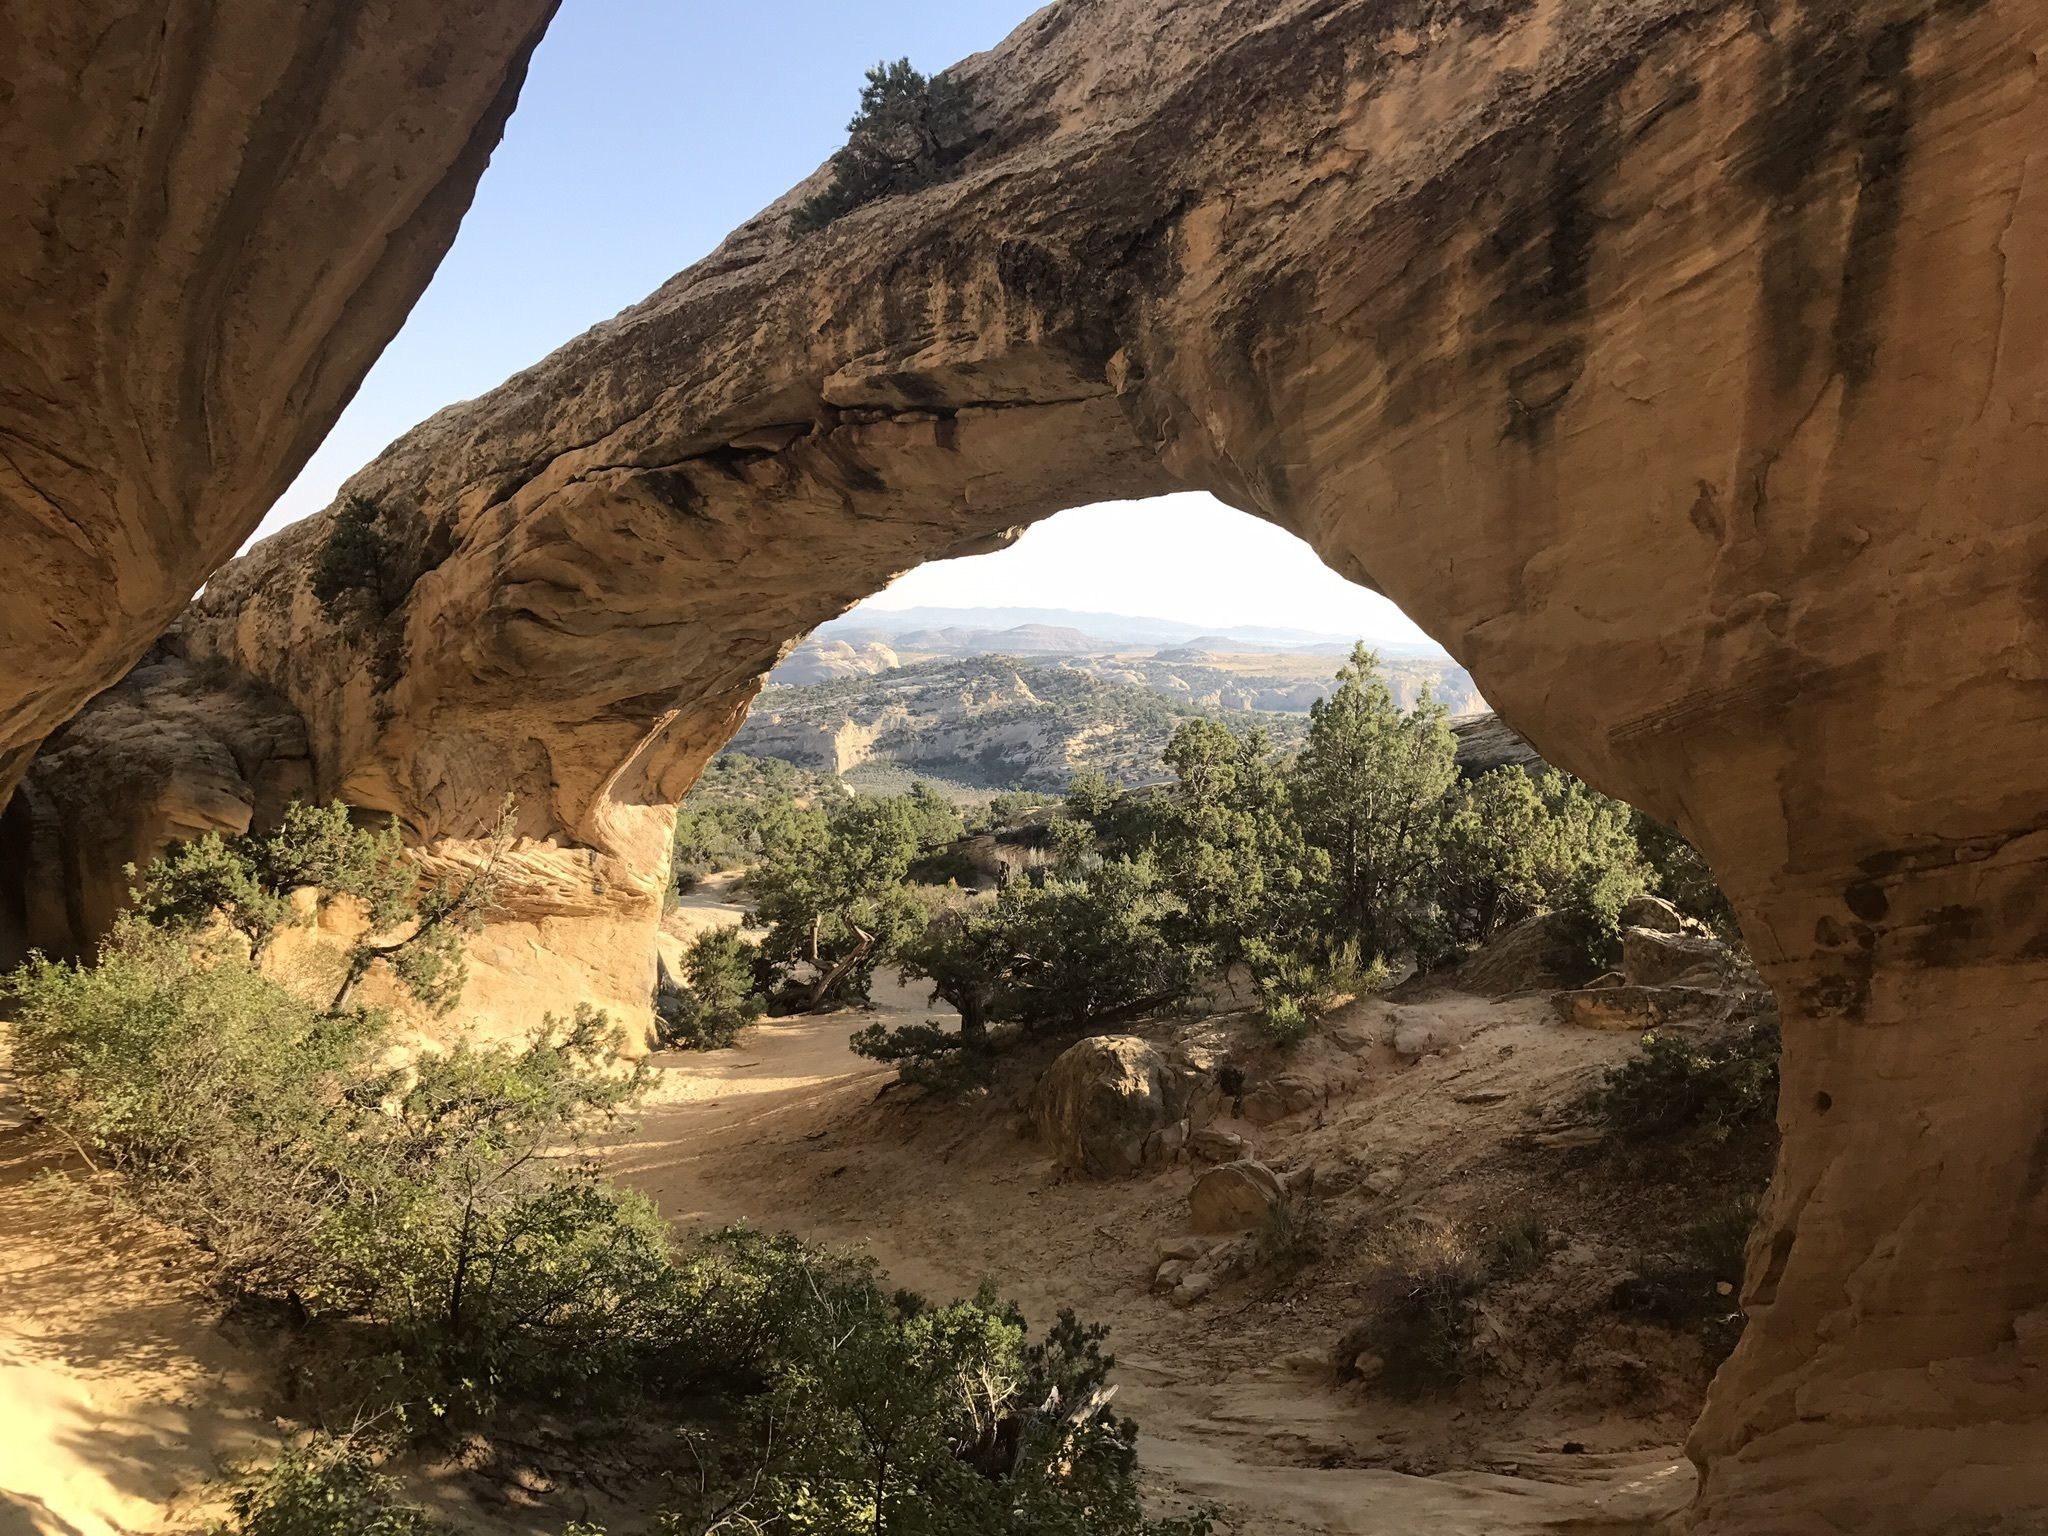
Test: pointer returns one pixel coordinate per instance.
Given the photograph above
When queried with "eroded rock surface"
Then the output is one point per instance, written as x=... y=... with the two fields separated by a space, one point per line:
x=1682 y=365
x=217 y=215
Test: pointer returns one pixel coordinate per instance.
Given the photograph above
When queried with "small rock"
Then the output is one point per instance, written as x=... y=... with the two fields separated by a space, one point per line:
x=1367 y=1367
x=1234 y=1197
x=1169 y=1274
x=1193 y=1288
x=1417 y=1038
x=1183 y=1247
x=1218 y=1146
x=1384 y=1181
x=1338 y=1180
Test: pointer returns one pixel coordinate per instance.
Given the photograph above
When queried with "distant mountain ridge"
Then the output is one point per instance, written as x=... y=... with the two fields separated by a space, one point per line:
x=1117 y=628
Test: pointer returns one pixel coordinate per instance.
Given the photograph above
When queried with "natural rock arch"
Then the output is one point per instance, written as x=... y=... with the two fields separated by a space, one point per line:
x=1671 y=362
x=217 y=216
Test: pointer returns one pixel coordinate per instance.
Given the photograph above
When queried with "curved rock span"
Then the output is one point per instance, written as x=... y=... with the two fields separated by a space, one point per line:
x=1681 y=365
x=217 y=215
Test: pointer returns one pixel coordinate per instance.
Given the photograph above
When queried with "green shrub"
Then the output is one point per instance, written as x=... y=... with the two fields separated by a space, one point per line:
x=326 y=1487
x=354 y=560
x=718 y=999
x=863 y=1410
x=247 y=881
x=220 y=1096
x=928 y=1055
x=1680 y=1084
x=908 y=134
x=1420 y=1292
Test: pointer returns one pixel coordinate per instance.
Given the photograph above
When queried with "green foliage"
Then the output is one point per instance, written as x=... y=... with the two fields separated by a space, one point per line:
x=326 y=1487
x=908 y=134
x=247 y=881
x=1368 y=791
x=730 y=812
x=222 y=1097
x=1682 y=878
x=1513 y=844
x=464 y=1223
x=863 y=1411
x=1713 y=1085
x=354 y=559
x=719 y=998
x=831 y=891
x=929 y=1056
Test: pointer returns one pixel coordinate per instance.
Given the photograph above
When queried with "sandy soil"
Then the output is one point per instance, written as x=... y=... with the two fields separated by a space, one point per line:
x=122 y=1396
x=119 y=1397
x=1238 y=1408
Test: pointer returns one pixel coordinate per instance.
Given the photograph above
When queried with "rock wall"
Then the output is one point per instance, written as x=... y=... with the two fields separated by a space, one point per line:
x=217 y=215
x=1681 y=365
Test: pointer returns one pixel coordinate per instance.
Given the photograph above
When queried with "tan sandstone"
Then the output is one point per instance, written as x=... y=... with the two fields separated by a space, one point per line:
x=1681 y=365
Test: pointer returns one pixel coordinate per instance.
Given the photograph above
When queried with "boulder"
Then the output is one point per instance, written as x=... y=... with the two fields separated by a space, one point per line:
x=1538 y=954
x=1652 y=957
x=1647 y=911
x=1234 y=1197
x=1213 y=1145
x=1100 y=1102
x=1632 y=1008
x=1279 y=1097
x=1415 y=1038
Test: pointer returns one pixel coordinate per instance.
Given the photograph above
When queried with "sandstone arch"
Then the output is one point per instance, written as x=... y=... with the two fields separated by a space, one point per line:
x=1673 y=362
x=218 y=214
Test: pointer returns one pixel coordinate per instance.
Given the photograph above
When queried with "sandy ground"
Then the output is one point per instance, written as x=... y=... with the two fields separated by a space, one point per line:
x=119 y=1398
x=122 y=1396
x=791 y=1130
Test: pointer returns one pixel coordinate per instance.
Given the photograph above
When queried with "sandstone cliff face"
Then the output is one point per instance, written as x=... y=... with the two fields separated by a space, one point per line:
x=1681 y=365
x=217 y=215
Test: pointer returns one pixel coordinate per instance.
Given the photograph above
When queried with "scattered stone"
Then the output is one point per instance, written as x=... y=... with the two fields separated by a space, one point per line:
x=1234 y=1197
x=1184 y=1247
x=1169 y=1274
x=1213 y=1145
x=1101 y=1100
x=1416 y=1038
x=1193 y=1288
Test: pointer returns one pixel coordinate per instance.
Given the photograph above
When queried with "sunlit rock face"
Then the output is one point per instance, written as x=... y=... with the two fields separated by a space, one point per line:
x=216 y=216
x=1681 y=365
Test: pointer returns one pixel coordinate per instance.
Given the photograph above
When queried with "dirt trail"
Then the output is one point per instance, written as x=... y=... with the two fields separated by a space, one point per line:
x=784 y=1132
x=119 y=1399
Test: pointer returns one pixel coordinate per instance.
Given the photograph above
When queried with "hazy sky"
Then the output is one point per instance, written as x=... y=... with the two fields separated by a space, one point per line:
x=647 y=130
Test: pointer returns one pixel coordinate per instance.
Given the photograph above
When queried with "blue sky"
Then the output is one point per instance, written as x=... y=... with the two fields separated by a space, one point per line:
x=647 y=130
